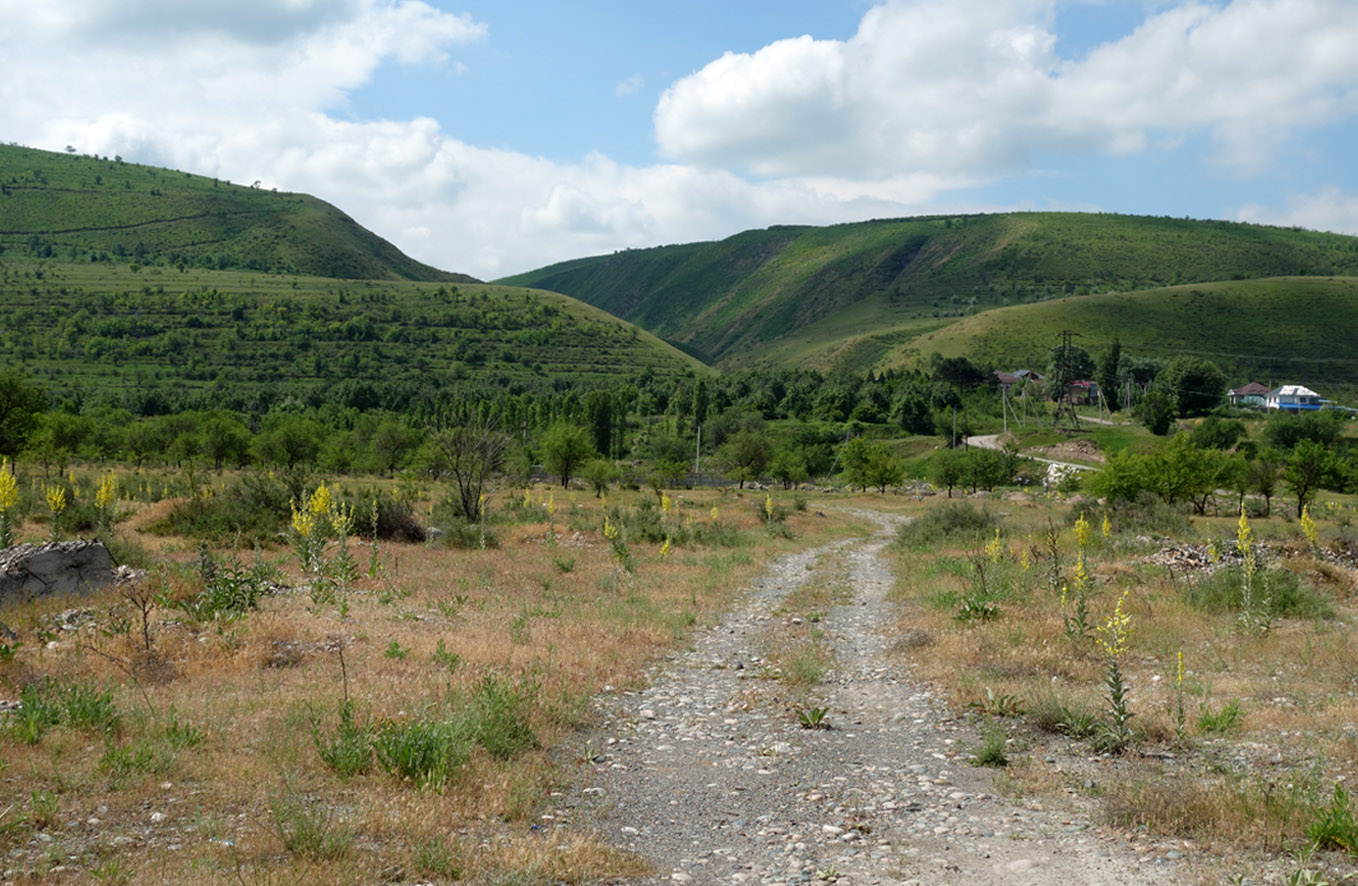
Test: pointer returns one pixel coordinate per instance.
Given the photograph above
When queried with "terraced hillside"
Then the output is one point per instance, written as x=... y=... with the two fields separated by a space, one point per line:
x=848 y=295
x=75 y=208
x=92 y=327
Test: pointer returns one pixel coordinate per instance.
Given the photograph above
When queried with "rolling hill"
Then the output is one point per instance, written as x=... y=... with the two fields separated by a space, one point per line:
x=121 y=283
x=1276 y=331
x=89 y=209
x=849 y=296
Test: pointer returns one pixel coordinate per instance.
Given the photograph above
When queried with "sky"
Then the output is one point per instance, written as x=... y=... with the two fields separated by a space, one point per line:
x=494 y=138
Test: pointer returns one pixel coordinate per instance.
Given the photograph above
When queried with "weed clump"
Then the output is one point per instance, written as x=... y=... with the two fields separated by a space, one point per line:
x=954 y=522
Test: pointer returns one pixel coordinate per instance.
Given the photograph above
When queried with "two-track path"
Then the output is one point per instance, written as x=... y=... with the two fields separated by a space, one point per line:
x=694 y=774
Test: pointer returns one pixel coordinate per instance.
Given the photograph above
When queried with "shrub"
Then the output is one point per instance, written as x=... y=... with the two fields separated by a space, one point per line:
x=253 y=511
x=392 y=520
x=951 y=522
x=1221 y=591
x=70 y=703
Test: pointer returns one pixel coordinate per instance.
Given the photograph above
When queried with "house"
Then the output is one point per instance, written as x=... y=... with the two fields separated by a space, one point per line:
x=1009 y=380
x=1084 y=393
x=1293 y=398
x=1252 y=394
x=1006 y=380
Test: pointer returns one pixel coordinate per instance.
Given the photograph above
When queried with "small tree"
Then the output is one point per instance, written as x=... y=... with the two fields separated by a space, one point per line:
x=565 y=448
x=466 y=456
x=599 y=473
x=1309 y=467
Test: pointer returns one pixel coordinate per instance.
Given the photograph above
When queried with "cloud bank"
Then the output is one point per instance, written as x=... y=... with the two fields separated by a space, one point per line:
x=927 y=100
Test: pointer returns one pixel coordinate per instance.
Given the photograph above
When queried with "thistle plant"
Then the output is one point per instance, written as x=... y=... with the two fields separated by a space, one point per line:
x=9 y=501
x=1113 y=637
x=1254 y=608
x=1107 y=528
x=56 y=503
x=1308 y=529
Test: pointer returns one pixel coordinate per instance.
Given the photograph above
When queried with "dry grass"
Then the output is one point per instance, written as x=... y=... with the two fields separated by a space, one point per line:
x=143 y=804
x=1297 y=684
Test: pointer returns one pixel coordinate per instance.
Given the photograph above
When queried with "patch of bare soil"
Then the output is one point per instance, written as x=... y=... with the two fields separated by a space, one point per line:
x=1079 y=450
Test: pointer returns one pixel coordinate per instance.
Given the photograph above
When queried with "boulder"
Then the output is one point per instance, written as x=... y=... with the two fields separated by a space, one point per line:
x=61 y=567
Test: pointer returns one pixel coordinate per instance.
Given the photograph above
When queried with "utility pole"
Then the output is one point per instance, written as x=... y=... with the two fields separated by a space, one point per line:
x=1064 y=402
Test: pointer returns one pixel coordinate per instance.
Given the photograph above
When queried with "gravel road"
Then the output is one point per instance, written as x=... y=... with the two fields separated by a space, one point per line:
x=712 y=786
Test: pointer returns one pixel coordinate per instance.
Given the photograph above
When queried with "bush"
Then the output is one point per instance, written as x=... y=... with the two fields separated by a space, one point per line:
x=1220 y=591
x=252 y=511
x=951 y=522
x=1145 y=514
x=392 y=520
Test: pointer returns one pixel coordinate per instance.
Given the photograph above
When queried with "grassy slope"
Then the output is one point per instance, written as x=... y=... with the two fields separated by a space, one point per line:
x=1275 y=331
x=91 y=326
x=848 y=295
x=80 y=208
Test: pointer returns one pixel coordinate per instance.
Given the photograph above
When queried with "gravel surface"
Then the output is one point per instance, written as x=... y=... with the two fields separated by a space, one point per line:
x=698 y=776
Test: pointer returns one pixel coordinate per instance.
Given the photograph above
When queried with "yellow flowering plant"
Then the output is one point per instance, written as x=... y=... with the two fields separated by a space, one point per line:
x=56 y=503
x=1308 y=529
x=1114 y=635
x=9 y=503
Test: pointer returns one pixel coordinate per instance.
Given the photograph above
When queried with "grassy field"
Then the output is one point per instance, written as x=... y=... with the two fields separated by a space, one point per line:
x=845 y=296
x=404 y=722
x=90 y=326
x=202 y=725
x=1238 y=753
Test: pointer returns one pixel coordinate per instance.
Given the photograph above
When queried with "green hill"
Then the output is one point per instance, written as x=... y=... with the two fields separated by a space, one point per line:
x=77 y=208
x=846 y=296
x=1284 y=330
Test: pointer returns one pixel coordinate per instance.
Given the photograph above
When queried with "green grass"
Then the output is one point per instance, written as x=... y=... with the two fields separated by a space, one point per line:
x=1286 y=329
x=99 y=210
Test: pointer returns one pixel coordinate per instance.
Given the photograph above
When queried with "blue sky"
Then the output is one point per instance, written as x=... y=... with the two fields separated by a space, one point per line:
x=491 y=138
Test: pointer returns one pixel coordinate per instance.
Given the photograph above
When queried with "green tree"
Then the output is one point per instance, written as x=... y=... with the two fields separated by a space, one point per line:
x=945 y=469
x=745 y=455
x=21 y=402
x=1307 y=469
x=291 y=442
x=1156 y=412
x=392 y=442
x=788 y=466
x=599 y=473
x=466 y=456
x=1197 y=386
x=565 y=447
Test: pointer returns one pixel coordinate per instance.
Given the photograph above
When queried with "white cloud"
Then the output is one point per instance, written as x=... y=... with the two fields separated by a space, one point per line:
x=928 y=97
x=975 y=86
x=1328 y=209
